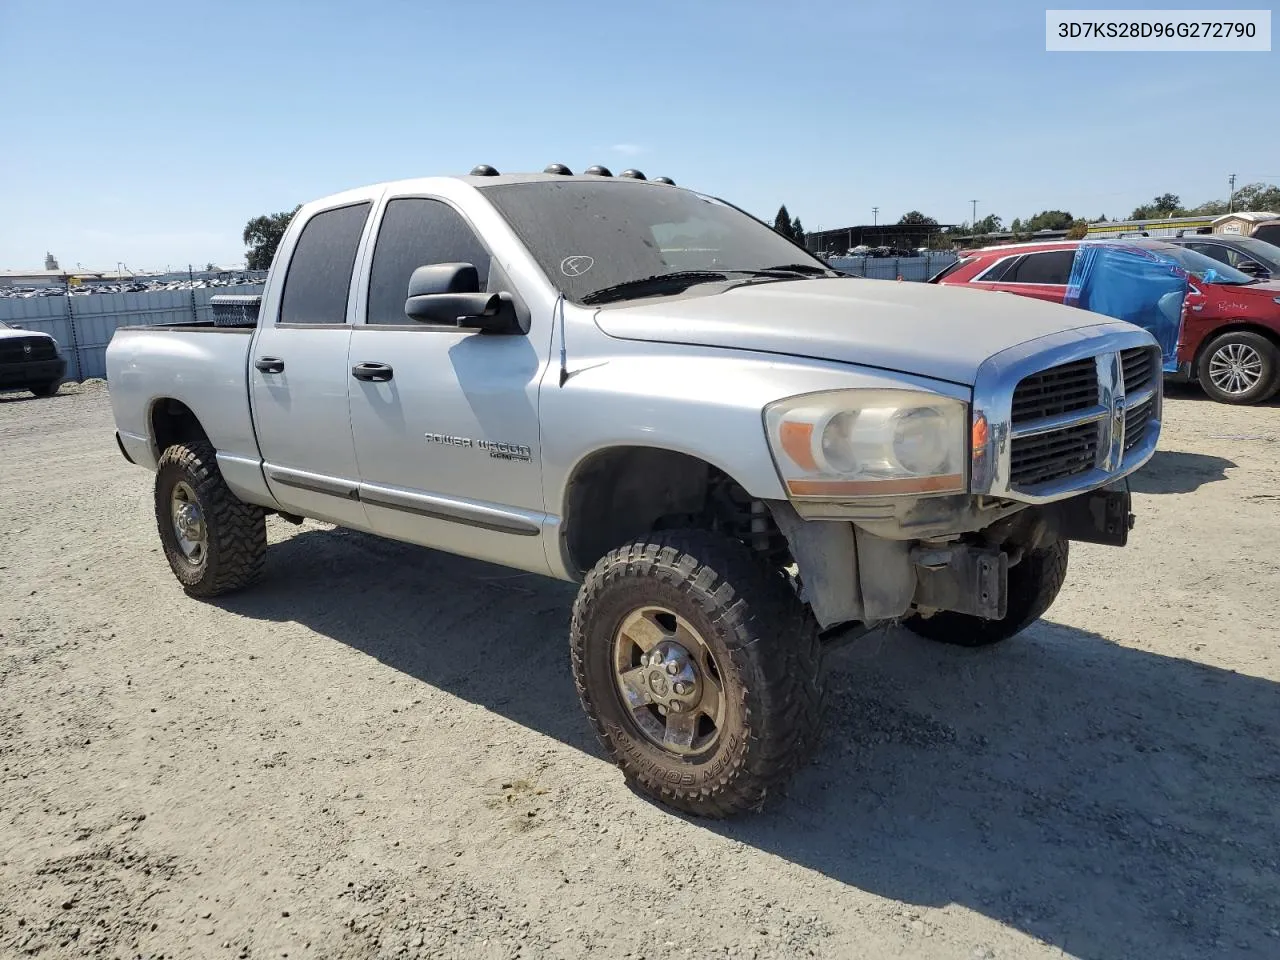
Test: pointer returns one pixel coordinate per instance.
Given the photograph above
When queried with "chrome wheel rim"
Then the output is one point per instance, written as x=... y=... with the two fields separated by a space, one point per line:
x=669 y=681
x=188 y=523
x=1235 y=368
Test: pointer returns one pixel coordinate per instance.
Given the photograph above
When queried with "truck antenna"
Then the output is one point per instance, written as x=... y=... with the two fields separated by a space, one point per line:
x=564 y=368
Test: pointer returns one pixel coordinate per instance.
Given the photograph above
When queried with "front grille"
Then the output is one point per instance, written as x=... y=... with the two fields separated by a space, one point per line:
x=1135 y=423
x=1059 y=390
x=1139 y=369
x=1053 y=456
x=11 y=349
x=1062 y=389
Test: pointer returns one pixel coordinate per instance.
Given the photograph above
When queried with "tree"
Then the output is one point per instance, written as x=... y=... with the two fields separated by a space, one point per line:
x=1016 y=226
x=1079 y=230
x=917 y=219
x=1049 y=220
x=782 y=222
x=263 y=234
x=1258 y=197
x=988 y=224
x=1212 y=208
x=1165 y=205
x=797 y=231
x=210 y=267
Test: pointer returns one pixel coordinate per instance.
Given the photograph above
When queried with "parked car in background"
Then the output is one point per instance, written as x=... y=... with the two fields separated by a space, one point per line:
x=1228 y=337
x=1259 y=259
x=29 y=360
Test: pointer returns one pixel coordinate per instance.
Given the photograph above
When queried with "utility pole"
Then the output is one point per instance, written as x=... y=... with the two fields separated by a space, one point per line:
x=973 y=229
x=1232 y=195
x=875 y=216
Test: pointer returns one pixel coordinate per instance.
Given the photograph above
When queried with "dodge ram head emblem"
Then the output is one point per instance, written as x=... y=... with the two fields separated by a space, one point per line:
x=26 y=349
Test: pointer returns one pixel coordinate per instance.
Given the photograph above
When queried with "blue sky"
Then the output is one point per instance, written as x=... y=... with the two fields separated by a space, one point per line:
x=148 y=134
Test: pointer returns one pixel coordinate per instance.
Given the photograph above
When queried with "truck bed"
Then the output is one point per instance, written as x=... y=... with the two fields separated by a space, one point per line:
x=204 y=367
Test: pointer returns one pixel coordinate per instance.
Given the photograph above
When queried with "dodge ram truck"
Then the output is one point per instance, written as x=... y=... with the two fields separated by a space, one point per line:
x=742 y=456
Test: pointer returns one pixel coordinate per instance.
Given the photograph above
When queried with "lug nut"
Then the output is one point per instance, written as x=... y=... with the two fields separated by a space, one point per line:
x=681 y=688
x=675 y=706
x=673 y=668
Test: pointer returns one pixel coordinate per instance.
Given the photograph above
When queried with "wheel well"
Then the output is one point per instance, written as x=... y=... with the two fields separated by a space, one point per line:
x=621 y=494
x=173 y=422
x=1234 y=326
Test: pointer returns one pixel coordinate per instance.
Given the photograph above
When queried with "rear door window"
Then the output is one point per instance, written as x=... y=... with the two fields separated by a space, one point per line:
x=1050 y=267
x=319 y=277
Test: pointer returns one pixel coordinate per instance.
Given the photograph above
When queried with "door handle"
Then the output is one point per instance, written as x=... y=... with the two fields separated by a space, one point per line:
x=372 y=372
x=269 y=364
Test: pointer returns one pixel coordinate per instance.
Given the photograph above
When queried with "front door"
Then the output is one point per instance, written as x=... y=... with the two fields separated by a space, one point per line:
x=445 y=420
x=298 y=374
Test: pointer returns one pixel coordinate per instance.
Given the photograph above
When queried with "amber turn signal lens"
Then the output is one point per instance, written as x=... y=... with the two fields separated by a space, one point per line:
x=797 y=443
x=981 y=433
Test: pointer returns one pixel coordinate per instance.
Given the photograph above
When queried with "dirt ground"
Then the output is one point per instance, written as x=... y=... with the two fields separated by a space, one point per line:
x=378 y=752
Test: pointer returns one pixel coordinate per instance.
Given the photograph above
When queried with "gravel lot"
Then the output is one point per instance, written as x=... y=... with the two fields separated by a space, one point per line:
x=378 y=751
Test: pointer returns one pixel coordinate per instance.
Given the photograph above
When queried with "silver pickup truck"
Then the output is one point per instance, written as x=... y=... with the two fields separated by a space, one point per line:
x=743 y=456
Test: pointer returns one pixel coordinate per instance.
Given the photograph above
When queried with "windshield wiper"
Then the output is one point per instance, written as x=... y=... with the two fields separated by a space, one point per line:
x=808 y=269
x=652 y=286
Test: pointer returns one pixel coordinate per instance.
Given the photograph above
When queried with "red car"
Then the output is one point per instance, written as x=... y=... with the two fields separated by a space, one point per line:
x=1229 y=334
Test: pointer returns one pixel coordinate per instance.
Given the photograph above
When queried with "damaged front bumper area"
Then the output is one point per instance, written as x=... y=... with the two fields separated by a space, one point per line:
x=851 y=574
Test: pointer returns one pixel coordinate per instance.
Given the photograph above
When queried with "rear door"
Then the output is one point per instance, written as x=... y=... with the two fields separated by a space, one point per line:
x=447 y=436
x=1043 y=275
x=298 y=372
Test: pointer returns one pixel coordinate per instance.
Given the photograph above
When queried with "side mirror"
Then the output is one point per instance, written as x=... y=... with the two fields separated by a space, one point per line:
x=1251 y=267
x=449 y=294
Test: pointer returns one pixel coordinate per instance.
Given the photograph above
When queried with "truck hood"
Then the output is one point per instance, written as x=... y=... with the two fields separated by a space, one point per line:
x=932 y=331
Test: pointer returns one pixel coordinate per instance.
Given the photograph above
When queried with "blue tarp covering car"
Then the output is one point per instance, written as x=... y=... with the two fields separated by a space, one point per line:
x=1134 y=283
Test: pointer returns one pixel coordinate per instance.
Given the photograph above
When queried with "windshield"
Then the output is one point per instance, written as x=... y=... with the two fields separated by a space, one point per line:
x=591 y=236
x=1205 y=269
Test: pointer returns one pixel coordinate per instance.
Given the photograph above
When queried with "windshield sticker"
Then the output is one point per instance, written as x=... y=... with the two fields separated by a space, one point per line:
x=576 y=266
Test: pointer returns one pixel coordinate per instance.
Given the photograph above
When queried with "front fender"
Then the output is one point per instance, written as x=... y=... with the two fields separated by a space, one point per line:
x=703 y=402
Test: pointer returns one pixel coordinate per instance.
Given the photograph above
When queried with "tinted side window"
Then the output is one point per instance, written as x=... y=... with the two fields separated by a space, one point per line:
x=1051 y=267
x=999 y=271
x=1269 y=233
x=949 y=270
x=416 y=232
x=319 y=277
x=1218 y=253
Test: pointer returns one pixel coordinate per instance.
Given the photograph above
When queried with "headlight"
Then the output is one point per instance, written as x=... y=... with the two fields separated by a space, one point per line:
x=869 y=443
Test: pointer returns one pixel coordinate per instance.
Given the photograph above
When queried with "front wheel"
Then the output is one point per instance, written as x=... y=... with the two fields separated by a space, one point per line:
x=1033 y=586
x=1240 y=367
x=700 y=670
x=45 y=389
x=214 y=542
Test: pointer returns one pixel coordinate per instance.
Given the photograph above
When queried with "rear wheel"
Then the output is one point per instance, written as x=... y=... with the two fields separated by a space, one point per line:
x=1240 y=367
x=700 y=670
x=214 y=542
x=1033 y=586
